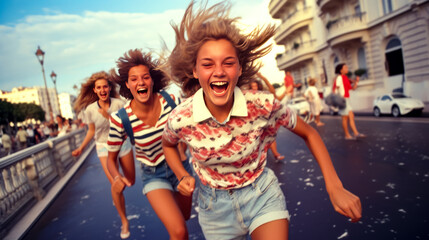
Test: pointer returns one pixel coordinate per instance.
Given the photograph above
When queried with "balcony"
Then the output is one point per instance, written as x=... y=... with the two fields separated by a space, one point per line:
x=326 y=5
x=296 y=20
x=346 y=28
x=277 y=7
x=301 y=52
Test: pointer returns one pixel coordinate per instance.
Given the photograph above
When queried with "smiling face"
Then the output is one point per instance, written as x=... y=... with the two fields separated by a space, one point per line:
x=140 y=83
x=102 y=89
x=217 y=69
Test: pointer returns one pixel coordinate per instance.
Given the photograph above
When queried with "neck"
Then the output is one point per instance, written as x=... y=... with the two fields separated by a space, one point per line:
x=105 y=103
x=220 y=113
x=144 y=107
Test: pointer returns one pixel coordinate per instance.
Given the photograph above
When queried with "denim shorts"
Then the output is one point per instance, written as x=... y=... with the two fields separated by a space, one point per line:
x=161 y=176
x=236 y=213
x=103 y=152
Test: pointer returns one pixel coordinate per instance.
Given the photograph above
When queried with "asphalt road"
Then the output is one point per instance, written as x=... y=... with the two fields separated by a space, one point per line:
x=388 y=170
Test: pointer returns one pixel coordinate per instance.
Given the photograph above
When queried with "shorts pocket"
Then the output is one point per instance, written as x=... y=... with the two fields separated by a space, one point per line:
x=148 y=170
x=264 y=184
x=204 y=202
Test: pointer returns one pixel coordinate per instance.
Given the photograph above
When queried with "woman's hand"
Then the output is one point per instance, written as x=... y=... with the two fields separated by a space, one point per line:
x=186 y=186
x=346 y=203
x=119 y=184
x=77 y=152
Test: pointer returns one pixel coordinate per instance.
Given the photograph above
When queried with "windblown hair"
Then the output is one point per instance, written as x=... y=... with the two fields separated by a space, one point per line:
x=204 y=24
x=87 y=94
x=134 y=58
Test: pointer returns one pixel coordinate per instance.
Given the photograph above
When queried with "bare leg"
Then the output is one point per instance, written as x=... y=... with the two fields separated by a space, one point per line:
x=318 y=122
x=352 y=123
x=273 y=148
x=275 y=230
x=164 y=204
x=345 y=126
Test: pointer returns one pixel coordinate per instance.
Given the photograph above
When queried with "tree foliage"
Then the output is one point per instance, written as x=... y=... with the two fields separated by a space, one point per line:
x=18 y=112
x=6 y=114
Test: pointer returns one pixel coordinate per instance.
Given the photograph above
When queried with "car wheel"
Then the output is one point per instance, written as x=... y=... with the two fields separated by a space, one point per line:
x=377 y=112
x=395 y=111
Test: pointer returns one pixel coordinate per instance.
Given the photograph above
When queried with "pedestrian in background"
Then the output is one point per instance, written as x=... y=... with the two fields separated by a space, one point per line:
x=342 y=86
x=229 y=131
x=98 y=99
x=290 y=85
x=30 y=136
x=313 y=98
x=7 y=142
x=147 y=110
x=21 y=138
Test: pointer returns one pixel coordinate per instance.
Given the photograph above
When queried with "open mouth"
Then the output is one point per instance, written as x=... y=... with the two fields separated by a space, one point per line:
x=103 y=94
x=219 y=87
x=142 y=91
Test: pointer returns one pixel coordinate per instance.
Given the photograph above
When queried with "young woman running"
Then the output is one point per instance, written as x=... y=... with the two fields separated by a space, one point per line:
x=141 y=82
x=229 y=131
x=98 y=99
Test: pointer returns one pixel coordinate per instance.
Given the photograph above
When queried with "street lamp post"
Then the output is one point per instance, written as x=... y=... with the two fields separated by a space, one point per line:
x=54 y=80
x=41 y=55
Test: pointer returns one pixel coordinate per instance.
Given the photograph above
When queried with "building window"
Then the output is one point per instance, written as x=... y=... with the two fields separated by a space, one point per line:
x=387 y=6
x=336 y=61
x=362 y=61
x=394 y=59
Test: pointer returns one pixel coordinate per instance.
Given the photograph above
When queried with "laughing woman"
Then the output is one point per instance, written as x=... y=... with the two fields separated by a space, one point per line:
x=98 y=99
x=229 y=131
x=147 y=110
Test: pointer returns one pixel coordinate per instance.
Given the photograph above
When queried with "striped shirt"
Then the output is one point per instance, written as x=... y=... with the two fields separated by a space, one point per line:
x=232 y=154
x=148 y=139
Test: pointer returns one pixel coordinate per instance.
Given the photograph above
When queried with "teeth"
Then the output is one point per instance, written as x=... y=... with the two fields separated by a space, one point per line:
x=219 y=83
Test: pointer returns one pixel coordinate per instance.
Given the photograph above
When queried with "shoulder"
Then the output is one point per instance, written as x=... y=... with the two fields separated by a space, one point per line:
x=184 y=109
x=257 y=95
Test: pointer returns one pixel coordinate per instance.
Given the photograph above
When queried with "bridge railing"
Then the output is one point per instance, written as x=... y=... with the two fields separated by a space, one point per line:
x=27 y=175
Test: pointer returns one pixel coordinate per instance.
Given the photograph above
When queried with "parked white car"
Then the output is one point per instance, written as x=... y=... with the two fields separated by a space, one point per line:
x=300 y=105
x=396 y=104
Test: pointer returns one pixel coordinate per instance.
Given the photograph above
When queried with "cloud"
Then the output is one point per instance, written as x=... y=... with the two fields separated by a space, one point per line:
x=78 y=45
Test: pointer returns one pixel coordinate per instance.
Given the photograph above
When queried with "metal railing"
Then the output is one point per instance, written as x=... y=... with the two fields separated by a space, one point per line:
x=27 y=175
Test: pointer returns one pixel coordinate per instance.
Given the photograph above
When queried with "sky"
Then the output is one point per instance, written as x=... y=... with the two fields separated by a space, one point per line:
x=81 y=37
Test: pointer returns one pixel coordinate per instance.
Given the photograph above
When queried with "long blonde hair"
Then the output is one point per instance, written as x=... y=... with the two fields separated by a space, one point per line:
x=213 y=23
x=87 y=94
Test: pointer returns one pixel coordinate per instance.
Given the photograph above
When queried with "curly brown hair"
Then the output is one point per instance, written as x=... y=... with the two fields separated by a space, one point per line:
x=213 y=23
x=87 y=94
x=134 y=58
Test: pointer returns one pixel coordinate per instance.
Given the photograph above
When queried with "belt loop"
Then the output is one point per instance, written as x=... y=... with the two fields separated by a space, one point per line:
x=213 y=193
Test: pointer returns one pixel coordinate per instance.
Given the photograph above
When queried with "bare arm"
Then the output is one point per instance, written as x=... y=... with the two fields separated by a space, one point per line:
x=343 y=201
x=271 y=87
x=88 y=137
x=355 y=83
x=187 y=182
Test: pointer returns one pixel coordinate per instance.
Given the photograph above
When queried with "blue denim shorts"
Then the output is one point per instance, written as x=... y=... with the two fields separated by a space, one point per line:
x=235 y=214
x=161 y=176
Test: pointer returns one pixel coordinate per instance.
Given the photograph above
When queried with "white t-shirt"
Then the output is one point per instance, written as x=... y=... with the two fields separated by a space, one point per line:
x=314 y=93
x=339 y=84
x=91 y=115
